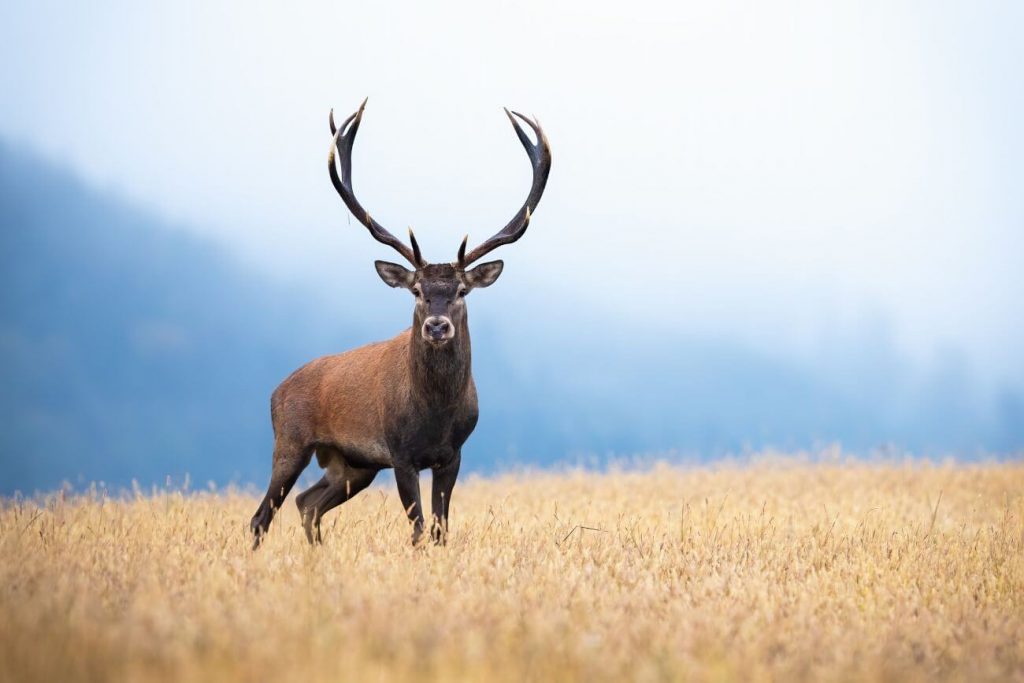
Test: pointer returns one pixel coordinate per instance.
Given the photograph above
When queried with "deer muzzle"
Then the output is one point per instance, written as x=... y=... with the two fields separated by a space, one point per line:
x=438 y=329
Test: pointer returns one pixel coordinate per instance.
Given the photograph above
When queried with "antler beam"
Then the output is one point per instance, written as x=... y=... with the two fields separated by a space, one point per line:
x=344 y=138
x=540 y=160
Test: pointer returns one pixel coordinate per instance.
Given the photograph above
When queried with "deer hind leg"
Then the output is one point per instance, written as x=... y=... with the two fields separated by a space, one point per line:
x=289 y=460
x=342 y=483
x=303 y=499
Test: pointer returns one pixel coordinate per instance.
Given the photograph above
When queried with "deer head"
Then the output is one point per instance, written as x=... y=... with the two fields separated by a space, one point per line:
x=439 y=289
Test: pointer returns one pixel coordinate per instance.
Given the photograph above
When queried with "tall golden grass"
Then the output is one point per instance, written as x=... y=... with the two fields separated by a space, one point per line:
x=778 y=569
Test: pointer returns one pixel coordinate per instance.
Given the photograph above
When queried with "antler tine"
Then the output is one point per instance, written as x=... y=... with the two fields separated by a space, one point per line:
x=420 y=262
x=344 y=138
x=540 y=159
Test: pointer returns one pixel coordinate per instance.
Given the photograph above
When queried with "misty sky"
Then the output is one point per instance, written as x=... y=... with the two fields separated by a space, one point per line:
x=783 y=174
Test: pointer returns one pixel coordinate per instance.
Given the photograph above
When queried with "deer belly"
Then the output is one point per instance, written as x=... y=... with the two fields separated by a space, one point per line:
x=358 y=454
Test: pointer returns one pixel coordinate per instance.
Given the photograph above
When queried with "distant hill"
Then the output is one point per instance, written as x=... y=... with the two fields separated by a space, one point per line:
x=129 y=350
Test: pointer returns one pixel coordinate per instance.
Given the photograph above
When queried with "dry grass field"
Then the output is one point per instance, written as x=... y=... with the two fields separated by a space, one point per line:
x=776 y=569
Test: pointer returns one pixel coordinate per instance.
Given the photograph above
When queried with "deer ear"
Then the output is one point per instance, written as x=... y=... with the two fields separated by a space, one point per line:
x=485 y=274
x=394 y=275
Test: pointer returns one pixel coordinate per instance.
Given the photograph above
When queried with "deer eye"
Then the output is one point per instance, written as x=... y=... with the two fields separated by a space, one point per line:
x=462 y=293
x=416 y=293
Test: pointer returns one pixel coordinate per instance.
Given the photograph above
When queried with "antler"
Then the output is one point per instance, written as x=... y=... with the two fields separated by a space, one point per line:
x=540 y=159
x=344 y=137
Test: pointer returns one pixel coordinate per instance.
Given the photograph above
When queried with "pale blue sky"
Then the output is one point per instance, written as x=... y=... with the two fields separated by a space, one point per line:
x=783 y=174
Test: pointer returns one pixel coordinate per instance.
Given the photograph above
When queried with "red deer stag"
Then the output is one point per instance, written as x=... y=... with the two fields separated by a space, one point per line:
x=408 y=403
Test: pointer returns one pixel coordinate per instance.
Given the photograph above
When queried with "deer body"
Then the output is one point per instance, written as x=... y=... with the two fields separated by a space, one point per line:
x=396 y=404
x=372 y=404
x=406 y=404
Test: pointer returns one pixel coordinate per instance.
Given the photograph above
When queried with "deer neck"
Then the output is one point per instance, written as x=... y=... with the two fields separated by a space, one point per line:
x=440 y=375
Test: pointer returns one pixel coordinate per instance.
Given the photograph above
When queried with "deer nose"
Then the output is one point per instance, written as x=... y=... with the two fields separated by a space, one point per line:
x=437 y=328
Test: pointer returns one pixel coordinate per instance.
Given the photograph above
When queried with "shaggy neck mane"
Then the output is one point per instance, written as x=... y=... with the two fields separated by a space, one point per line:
x=440 y=374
